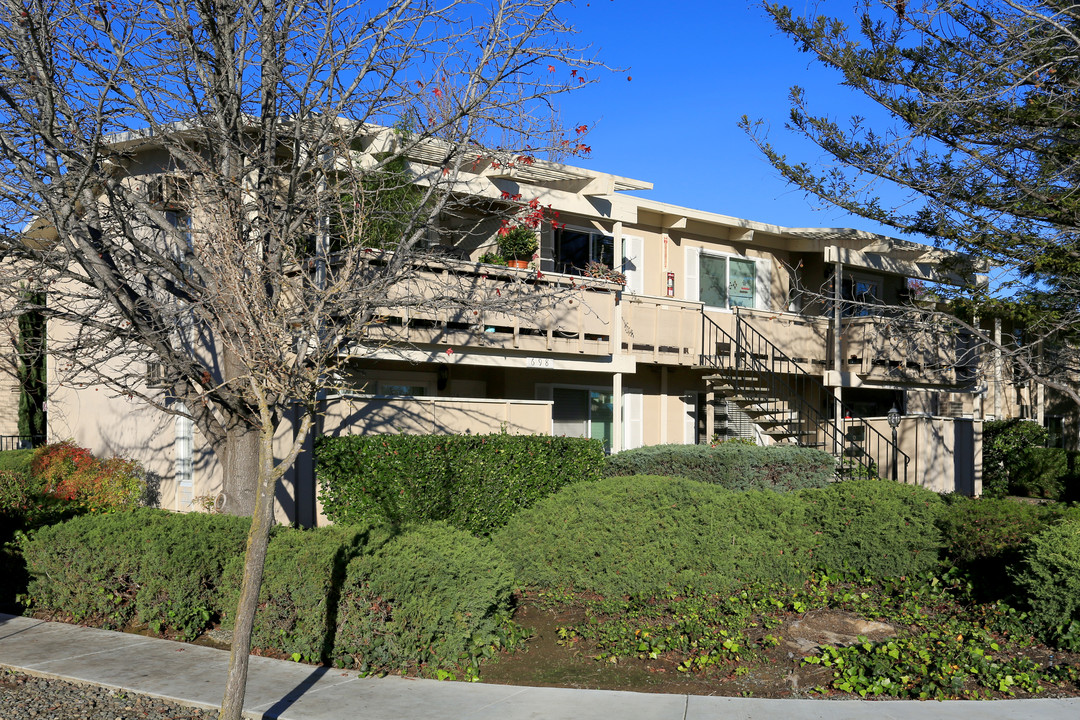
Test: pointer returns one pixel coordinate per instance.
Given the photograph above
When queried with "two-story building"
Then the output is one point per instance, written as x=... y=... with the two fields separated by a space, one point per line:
x=723 y=328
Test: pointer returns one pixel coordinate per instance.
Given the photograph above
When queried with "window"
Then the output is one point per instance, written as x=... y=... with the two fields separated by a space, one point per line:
x=725 y=281
x=860 y=289
x=404 y=389
x=577 y=247
x=579 y=412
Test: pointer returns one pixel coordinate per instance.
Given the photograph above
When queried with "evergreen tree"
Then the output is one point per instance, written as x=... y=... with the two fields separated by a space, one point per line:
x=983 y=140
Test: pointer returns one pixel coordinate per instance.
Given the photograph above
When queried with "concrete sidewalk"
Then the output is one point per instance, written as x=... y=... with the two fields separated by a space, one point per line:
x=195 y=675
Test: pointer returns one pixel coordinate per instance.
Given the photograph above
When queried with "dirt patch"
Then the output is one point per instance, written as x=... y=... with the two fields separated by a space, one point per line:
x=773 y=673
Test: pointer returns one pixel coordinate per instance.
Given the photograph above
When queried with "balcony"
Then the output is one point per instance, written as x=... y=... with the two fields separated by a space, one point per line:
x=511 y=310
x=507 y=309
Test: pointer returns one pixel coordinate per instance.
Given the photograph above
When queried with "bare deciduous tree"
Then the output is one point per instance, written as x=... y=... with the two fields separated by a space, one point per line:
x=233 y=193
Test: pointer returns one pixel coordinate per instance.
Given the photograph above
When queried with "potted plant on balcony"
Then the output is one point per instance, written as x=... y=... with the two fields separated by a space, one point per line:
x=596 y=269
x=517 y=245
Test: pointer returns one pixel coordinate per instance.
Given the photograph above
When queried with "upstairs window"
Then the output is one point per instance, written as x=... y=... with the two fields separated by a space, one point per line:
x=724 y=281
x=574 y=248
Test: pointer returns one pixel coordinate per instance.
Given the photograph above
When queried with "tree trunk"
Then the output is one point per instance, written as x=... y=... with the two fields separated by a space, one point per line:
x=262 y=521
x=241 y=471
x=241 y=462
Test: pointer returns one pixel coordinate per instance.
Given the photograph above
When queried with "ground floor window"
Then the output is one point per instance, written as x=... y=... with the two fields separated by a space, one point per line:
x=583 y=412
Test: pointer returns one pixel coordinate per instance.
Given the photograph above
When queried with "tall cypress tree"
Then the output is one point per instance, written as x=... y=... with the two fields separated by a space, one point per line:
x=31 y=351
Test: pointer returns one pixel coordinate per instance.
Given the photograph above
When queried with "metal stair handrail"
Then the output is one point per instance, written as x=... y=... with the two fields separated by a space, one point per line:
x=748 y=348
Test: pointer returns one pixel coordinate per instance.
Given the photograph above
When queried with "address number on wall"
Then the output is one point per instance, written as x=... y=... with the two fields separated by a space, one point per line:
x=539 y=362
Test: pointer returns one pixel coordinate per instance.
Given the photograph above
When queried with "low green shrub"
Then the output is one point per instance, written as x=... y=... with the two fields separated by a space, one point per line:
x=736 y=466
x=90 y=567
x=300 y=597
x=1003 y=443
x=181 y=568
x=1040 y=473
x=1049 y=578
x=17 y=461
x=986 y=538
x=148 y=565
x=473 y=482
x=879 y=527
x=433 y=595
x=642 y=535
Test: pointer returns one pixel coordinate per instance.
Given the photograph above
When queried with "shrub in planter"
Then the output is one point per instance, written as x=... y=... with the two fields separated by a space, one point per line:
x=879 y=527
x=736 y=466
x=518 y=243
x=1049 y=578
x=644 y=535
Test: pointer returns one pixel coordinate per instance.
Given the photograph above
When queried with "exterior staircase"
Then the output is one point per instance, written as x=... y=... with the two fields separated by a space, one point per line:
x=772 y=390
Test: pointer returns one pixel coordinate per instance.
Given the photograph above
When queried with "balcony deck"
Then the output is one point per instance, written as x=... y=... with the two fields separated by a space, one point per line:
x=531 y=313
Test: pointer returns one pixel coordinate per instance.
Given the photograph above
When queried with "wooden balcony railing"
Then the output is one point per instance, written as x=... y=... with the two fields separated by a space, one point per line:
x=505 y=309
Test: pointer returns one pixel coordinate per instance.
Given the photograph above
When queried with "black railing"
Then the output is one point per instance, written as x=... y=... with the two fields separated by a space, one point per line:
x=21 y=442
x=757 y=371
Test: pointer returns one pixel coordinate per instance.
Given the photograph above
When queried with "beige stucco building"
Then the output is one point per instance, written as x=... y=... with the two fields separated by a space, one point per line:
x=723 y=328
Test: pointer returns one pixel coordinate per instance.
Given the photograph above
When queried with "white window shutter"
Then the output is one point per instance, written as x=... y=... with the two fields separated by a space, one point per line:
x=763 y=291
x=633 y=421
x=690 y=418
x=691 y=256
x=633 y=263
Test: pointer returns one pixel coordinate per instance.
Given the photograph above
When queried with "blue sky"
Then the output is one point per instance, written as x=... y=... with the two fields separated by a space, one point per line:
x=697 y=66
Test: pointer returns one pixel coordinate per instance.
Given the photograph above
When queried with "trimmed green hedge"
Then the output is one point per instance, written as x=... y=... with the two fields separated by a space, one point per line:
x=473 y=482
x=736 y=466
x=430 y=596
x=147 y=565
x=878 y=527
x=1050 y=577
x=642 y=535
x=646 y=535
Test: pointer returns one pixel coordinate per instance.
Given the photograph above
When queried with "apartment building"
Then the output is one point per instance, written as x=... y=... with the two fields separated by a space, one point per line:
x=712 y=327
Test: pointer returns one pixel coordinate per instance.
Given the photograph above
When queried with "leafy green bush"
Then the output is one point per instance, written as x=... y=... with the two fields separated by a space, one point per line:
x=181 y=568
x=986 y=538
x=1039 y=473
x=736 y=466
x=473 y=482
x=433 y=595
x=299 y=601
x=1050 y=576
x=90 y=568
x=878 y=527
x=643 y=535
x=17 y=461
x=1003 y=441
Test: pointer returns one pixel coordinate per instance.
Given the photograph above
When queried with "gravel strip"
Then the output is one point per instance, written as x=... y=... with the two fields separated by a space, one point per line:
x=25 y=697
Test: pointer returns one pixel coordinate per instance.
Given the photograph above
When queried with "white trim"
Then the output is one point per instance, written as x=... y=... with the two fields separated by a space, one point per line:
x=633 y=254
x=633 y=402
